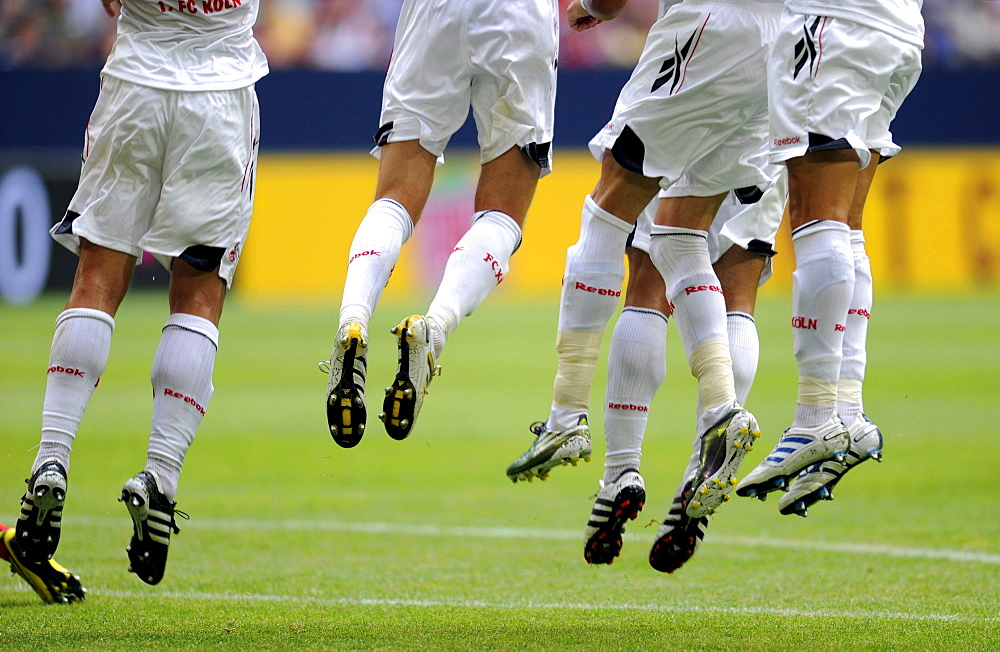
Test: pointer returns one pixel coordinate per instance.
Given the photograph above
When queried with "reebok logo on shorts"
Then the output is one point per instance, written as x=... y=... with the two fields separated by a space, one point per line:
x=806 y=50
x=674 y=66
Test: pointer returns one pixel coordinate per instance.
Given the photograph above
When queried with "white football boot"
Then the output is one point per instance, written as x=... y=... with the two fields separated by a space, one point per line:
x=797 y=449
x=550 y=449
x=816 y=482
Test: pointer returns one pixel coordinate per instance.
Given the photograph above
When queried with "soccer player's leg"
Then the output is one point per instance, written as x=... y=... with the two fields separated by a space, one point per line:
x=850 y=404
x=828 y=146
x=816 y=482
x=591 y=287
x=679 y=249
x=406 y=172
x=636 y=369
x=418 y=117
x=79 y=354
x=740 y=269
x=181 y=376
x=820 y=183
x=590 y=292
x=479 y=262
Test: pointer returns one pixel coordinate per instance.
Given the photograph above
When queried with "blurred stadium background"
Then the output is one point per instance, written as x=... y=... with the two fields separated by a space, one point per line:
x=932 y=225
x=905 y=558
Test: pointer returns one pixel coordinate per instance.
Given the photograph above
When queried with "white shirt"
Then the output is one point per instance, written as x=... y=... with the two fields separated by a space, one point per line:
x=187 y=45
x=900 y=18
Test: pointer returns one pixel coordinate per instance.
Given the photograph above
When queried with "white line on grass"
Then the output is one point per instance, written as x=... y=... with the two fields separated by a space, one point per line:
x=454 y=532
x=531 y=605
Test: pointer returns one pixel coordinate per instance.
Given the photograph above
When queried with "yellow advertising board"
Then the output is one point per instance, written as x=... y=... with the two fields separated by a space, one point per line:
x=932 y=225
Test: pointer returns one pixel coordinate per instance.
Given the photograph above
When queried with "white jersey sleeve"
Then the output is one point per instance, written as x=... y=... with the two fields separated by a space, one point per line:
x=187 y=45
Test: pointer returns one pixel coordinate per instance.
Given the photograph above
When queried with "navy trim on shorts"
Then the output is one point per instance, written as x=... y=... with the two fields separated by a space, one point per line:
x=821 y=143
x=629 y=151
x=202 y=257
x=538 y=152
x=66 y=224
x=748 y=195
x=761 y=248
x=381 y=136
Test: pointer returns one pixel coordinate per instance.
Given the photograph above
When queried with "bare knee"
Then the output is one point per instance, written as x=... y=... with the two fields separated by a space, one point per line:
x=822 y=185
x=645 y=288
x=102 y=278
x=406 y=173
x=739 y=274
x=507 y=184
x=622 y=192
x=195 y=291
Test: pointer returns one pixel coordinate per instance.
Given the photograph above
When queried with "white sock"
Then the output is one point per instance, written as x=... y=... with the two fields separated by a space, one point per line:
x=852 y=367
x=595 y=271
x=374 y=252
x=182 y=388
x=51 y=451
x=478 y=264
x=592 y=282
x=849 y=404
x=744 y=348
x=79 y=354
x=682 y=258
x=822 y=287
x=636 y=367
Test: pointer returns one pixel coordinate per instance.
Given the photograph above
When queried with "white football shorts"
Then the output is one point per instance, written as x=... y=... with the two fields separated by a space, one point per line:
x=836 y=84
x=497 y=56
x=697 y=99
x=164 y=171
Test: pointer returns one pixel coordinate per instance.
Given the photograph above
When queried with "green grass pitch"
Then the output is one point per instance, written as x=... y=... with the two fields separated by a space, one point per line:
x=294 y=542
